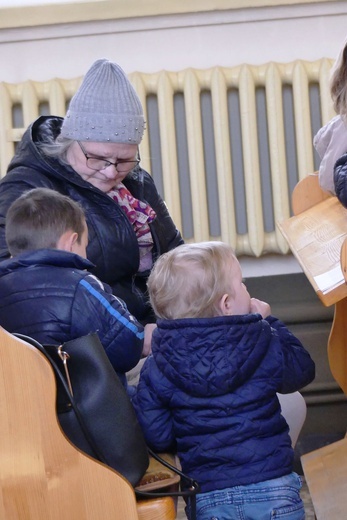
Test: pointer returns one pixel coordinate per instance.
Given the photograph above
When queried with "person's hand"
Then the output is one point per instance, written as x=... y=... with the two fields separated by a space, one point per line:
x=147 y=342
x=260 y=307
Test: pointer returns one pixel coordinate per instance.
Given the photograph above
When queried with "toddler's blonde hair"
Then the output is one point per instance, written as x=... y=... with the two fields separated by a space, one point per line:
x=188 y=281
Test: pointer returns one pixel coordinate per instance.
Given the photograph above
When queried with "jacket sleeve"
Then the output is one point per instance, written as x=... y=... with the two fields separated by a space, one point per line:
x=298 y=368
x=340 y=179
x=164 y=228
x=96 y=309
x=152 y=412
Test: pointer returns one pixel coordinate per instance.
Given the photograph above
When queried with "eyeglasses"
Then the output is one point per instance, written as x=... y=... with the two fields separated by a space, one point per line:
x=97 y=163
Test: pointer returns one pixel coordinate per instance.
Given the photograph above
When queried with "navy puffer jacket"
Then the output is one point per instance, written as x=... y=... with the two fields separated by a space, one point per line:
x=113 y=246
x=340 y=179
x=49 y=295
x=209 y=391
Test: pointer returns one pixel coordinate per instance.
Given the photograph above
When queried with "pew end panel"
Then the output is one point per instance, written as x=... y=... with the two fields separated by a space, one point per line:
x=42 y=474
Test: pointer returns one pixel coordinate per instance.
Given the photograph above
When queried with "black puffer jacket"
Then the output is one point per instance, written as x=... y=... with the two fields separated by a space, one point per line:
x=113 y=246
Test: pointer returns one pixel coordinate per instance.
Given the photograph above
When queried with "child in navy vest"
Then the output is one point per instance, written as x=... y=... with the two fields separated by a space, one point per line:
x=209 y=389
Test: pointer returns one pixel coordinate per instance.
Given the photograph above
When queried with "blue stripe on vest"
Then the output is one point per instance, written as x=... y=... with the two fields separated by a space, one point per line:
x=128 y=324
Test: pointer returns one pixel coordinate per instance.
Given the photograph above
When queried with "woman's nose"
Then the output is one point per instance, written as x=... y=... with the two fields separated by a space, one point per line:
x=111 y=171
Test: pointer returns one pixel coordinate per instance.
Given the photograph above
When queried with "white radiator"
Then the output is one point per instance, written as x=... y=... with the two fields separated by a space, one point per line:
x=225 y=146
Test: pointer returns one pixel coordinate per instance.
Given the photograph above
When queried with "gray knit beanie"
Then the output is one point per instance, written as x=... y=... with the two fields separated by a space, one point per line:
x=105 y=108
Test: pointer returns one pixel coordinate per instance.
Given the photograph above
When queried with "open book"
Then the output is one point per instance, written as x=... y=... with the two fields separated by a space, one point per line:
x=315 y=237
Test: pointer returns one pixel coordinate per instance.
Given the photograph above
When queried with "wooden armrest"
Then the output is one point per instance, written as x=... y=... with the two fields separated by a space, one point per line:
x=162 y=508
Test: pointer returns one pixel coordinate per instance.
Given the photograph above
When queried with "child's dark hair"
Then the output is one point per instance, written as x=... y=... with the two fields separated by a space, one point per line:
x=338 y=83
x=38 y=218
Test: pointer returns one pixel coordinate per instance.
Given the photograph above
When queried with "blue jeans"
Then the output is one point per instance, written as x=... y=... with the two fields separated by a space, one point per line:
x=278 y=498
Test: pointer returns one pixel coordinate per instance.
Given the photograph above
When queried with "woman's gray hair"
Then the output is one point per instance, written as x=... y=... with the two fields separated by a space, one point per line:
x=56 y=149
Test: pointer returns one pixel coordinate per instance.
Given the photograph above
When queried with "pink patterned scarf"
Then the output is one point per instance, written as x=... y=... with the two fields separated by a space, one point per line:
x=140 y=214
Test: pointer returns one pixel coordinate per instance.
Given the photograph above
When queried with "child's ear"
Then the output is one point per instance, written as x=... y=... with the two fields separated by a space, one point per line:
x=225 y=305
x=67 y=241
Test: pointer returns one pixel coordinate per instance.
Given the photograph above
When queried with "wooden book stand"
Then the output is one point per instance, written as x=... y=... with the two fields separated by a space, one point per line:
x=317 y=236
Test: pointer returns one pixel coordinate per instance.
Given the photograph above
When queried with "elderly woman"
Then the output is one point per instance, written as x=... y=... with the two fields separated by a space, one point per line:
x=92 y=156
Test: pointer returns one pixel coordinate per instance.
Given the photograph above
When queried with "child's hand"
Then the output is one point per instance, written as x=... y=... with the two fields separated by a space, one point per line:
x=260 y=307
x=147 y=342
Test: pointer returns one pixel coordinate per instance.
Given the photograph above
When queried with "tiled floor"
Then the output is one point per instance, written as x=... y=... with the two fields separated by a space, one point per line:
x=305 y=495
